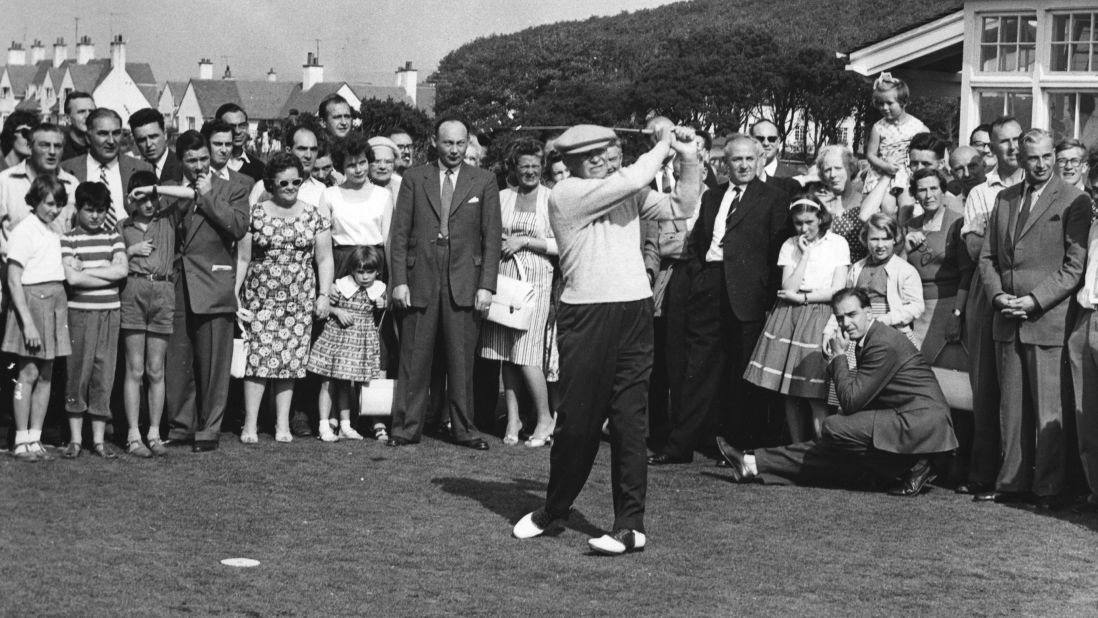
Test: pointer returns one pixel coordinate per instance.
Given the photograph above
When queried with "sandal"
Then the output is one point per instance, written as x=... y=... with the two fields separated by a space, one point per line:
x=156 y=445
x=510 y=440
x=72 y=450
x=104 y=450
x=40 y=451
x=381 y=434
x=23 y=452
x=138 y=449
x=249 y=437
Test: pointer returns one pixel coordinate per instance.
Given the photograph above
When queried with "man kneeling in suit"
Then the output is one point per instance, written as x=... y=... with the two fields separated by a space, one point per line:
x=899 y=419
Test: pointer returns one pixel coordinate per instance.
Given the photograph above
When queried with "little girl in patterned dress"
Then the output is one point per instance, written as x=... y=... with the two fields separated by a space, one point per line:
x=890 y=137
x=348 y=349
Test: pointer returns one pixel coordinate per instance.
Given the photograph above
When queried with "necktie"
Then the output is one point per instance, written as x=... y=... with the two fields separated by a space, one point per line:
x=735 y=203
x=110 y=221
x=447 y=197
x=1023 y=212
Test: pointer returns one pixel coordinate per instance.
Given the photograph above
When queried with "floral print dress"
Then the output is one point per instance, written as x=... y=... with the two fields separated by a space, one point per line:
x=280 y=290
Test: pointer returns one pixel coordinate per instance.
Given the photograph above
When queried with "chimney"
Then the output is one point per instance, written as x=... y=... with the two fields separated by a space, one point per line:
x=16 y=54
x=38 y=52
x=272 y=76
x=60 y=52
x=312 y=73
x=407 y=78
x=118 y=52
x=85 y=51
x=228 y=73
x=205 y=69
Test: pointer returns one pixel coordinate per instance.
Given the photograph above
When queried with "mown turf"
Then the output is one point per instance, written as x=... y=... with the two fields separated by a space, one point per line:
x=361 y=529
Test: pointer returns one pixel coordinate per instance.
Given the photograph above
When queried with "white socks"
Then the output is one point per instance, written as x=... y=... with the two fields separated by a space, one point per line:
x=749 y=463
x=22 y=437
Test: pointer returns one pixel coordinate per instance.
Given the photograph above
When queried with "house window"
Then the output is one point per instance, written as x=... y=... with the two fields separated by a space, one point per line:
x=995 y=103
x=1072 y=115
x=5 y=93
x=1008 y=43
x=190 y=123
x=1074 y=41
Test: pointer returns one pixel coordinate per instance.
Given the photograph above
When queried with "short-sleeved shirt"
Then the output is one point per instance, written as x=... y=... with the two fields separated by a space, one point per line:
x=829 y=252
x=94 y=250
x=981 y=201
x=36 y=248
x=161 y=233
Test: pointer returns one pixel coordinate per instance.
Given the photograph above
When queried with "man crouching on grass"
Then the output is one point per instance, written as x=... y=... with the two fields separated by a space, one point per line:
x=894 y=415
x=605 y=322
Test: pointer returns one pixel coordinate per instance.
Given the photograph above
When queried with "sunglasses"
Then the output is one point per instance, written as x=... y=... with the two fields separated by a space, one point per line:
x=295 y=183
x=773 y=139
x=25 y=132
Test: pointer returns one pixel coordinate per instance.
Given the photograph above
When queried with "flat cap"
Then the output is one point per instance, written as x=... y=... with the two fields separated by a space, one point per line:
x=584 y=138
x=384 y=142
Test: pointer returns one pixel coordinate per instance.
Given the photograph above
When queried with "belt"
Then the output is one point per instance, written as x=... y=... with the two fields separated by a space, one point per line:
x=442 y=241
x=151 y=277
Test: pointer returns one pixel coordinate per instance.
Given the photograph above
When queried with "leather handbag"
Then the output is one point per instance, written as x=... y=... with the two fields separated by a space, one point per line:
x=513 y=303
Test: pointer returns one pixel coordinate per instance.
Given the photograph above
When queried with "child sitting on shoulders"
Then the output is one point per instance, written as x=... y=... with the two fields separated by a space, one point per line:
x=348 y=349
x=890 y=137
x=95 y=263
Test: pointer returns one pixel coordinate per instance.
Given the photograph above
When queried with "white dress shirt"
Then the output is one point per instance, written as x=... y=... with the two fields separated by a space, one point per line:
x=716 y=245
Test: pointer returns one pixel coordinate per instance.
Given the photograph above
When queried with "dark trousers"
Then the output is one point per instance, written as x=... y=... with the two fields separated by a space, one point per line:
x=669 y=370
x=1083 y=355
x=720 y=346
x=605 y=363
x=983 y=464
x=420 y=328
x=200 y=352
x=843 y=456
x=1031 y=418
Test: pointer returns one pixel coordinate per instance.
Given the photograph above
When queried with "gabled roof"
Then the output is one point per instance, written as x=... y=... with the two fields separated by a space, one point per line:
x=141 y=73
x=21 y=77
x=84 y=76
x=29 y=104
x=262 y=99
x=943 y=35
x=150 y=93
x=949 y=7
x=212 y=93
x=178 y=89
x=381 y=93
x=308 y=100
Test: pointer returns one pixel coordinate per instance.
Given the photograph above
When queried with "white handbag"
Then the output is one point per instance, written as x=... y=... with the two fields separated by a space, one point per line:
x=240 y=356
x=376 y=398
x=513 y=302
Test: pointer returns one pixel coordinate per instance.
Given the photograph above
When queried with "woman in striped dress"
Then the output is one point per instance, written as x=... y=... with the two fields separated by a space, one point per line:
x=527 y=243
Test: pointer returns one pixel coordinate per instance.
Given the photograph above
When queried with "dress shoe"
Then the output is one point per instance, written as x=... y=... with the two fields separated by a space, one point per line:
x=1013 y=497
x=974 y=488
x=178 y=442
x=477 y=444
x=204 y=446
x=663 y=459
x=618 y=542
x=914 y=480
x=984 y=496
x=398 y=441
x=532 y=524
x=734 y=458
x=299 y=424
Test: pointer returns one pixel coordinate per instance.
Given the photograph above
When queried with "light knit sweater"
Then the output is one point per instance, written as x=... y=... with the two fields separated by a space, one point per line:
x=597 y=226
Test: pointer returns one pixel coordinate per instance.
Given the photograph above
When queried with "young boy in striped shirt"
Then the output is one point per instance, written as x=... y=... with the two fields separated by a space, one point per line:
x=94 y=258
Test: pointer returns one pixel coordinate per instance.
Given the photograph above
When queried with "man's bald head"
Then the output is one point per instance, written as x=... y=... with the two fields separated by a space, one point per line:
x=967 y=166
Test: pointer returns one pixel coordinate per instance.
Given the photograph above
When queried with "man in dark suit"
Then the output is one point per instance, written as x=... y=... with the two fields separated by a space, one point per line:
x=895 y=415
x=77 y=107
x=219 y=137
x=1032 y=260
x=242 y=160
x=774 y=170
x=445 y=246
x=103 y=163
x=733 y=282
x=201 y=346
x=151 y=144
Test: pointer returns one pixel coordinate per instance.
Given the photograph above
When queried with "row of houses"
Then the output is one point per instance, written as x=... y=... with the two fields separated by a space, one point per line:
x=31 y=81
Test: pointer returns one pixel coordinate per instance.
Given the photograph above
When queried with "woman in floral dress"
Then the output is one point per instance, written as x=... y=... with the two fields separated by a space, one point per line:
x=279 y=291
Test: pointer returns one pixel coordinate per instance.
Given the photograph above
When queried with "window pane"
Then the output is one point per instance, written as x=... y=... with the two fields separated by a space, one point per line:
x=995 y=103
x=1021 y=107
x=1008 y=58
x=1029 y=30
x=1062 y=109
x=989 y=57
x=1027 y=55
x=1088 y=119
x=1060 y=27
x=1009 y=32
x=1059 y=57
x=991 y=30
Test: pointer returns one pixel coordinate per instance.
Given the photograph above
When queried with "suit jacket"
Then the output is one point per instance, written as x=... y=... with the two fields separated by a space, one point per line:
x=475 y=233
x=1045 y=259
x=173 y=169
x=785 y=183
x=753 y=235
x=78 y=166
x=894 y=381
x=207 y=237
x=252 y=168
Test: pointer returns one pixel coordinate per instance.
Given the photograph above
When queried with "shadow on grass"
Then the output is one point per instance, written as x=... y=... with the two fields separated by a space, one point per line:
x=511 y=500
x=1087 y=519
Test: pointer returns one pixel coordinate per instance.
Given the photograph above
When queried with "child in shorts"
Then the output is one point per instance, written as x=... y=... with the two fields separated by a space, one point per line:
x=148 y=308
x=95 y=263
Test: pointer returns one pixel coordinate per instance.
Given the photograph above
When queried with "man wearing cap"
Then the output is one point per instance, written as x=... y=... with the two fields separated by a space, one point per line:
x=605 y=321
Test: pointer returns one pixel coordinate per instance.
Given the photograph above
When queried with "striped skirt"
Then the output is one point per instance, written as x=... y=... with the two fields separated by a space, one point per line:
x=788 y=357
x=519 y=347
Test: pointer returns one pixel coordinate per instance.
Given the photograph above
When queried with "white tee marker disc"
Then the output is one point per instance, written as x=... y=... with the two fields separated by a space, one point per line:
x=240 y=562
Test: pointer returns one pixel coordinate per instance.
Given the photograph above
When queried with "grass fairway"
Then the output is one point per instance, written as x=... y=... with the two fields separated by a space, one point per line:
x=362 y=529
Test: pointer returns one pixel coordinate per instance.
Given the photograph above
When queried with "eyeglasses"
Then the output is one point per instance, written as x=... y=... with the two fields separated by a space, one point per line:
x=773 y=139
x=294 y=182
x=1069 y=162
x=25 y=132
x=978 y=145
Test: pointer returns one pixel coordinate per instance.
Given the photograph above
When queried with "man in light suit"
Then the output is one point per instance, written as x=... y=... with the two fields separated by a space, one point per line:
x=103 y=163
x=733 y=282
x=151 y=144
x=895 y=417
x=1032 y=260
x=205 y=275
x=445 y=247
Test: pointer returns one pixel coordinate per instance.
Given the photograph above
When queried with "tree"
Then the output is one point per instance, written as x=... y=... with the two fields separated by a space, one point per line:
x=830 y=94
x=380 y=117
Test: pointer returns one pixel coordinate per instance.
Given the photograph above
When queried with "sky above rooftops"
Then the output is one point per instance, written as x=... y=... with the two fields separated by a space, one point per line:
x=360 y=40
